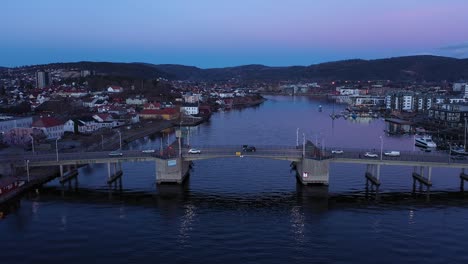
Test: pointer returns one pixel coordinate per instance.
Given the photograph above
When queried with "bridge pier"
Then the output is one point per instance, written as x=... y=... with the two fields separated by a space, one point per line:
x=171 y=170
x=373 y=176
x=419 y=177
x=115 y=175
x=311 y=171
x=70 y=172
x=463 y=178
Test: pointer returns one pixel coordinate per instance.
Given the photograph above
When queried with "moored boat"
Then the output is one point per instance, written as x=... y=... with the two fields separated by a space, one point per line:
x=458 y=150
x=425 y=141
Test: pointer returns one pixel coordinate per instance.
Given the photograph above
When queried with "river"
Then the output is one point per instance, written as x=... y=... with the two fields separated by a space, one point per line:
x=242 y=210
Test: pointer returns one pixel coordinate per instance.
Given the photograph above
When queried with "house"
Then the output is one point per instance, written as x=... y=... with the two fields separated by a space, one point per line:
x=50 y=126
x=114 y=89
x=85 y=125
x=191 y=97
x=152 y=106
x=136 y=101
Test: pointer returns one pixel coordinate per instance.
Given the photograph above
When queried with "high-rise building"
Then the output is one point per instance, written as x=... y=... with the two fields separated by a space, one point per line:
x=42 y=79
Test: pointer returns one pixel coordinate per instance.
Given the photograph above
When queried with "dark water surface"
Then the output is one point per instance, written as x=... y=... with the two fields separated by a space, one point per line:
x=247 y=210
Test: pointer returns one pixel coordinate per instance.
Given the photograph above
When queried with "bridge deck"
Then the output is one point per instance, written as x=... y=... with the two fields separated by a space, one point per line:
x=289 y=153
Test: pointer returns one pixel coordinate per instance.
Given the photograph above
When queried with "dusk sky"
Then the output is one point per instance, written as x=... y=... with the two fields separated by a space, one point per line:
x=217 y=33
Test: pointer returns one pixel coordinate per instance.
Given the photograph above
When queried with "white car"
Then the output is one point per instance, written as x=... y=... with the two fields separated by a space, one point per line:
x=392 y=153
x=337 y=151
x=370 y=155
x=148 y=151
x=115 y=153
x=194 y=151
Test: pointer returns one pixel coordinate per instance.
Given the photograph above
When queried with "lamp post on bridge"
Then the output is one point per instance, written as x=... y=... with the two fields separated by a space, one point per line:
x=32 y=143
x=303 y=144
x=102 y=142
x=56 y=147
x=120 y=139
x=297 y=137
x=381 y=147
x=27 y=169
x=464 y=141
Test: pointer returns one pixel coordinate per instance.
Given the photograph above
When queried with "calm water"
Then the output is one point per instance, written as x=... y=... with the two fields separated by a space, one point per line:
x=246 y=210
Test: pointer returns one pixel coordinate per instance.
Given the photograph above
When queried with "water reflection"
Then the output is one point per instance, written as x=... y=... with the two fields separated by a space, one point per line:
x=297 y=220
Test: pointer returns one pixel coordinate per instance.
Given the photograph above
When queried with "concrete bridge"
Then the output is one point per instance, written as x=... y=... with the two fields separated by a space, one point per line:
x=172 y=164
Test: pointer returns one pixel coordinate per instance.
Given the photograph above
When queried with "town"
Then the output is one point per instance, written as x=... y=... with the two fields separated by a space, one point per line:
x=46 y=108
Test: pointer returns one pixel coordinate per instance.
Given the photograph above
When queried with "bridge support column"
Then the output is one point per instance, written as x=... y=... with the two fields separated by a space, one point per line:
x=67 y=174
x=373 y=176
x=171 y=170
x=311 y=171
x=115 y=175
x=419 y=178
x=463 y=178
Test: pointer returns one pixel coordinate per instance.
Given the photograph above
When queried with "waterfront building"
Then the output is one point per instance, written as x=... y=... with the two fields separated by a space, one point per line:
x=400 y=101
x=8 y=123
x=50 y=126
x=449 y=115
x=189 y=109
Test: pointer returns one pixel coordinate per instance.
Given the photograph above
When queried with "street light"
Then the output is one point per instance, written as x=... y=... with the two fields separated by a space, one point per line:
x=32 y=142
x=297 y=137
x=464 y=143
x=56 y=147
x=27 y=169
x=102 y=142
x=381 y=147
x=120 y=139
x=303 y=144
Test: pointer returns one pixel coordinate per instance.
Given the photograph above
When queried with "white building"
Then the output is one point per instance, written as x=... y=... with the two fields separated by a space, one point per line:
x=190 y=109
x=50 y=126
x=8 y=123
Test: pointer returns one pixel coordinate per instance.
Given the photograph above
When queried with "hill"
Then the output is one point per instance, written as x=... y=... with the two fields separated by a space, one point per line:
x=410 y=68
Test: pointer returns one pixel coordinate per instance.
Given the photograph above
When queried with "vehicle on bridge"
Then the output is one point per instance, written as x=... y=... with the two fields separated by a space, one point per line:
x=371 y=155
x=115 y=153
x=194 y=151
x=458 y=157
x=337 y=151
x=247 y=148
x=148 y=151
x=392 y=153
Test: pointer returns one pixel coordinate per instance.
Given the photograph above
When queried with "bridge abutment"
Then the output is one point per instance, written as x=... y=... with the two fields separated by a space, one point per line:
x=171 y=170
x=311 y=171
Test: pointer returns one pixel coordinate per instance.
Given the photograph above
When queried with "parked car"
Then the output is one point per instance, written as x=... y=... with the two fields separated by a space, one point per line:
x=247 y=148
x=115 y=153
x=148 y=151
x=392 y=153
x=458 y=157
x=337 y=151
x=371 y=155
x=194 y=151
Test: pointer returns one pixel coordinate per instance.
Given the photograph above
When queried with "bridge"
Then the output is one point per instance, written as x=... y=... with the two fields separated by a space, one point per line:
x=311 y=163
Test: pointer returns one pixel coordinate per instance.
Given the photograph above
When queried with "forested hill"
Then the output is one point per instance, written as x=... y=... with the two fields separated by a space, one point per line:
x=410 y=68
